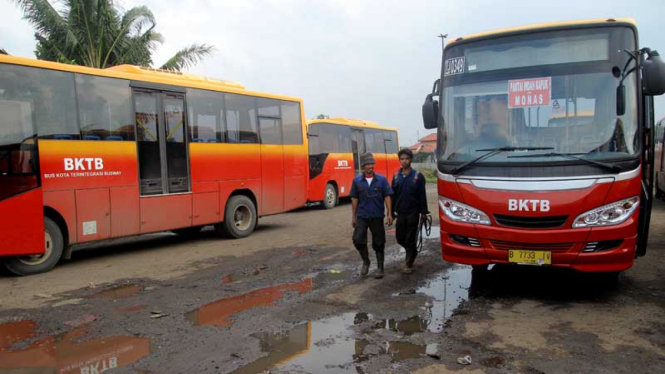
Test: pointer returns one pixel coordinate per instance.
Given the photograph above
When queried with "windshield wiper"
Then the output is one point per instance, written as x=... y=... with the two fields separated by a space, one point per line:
x=492 y=152
x=573 y=156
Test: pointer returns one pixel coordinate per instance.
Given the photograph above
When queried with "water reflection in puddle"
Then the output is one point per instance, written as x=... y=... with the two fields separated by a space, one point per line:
x=63 y=354
x=218 y=313
x=448 y=290
x=119 y=292
x=328 y=347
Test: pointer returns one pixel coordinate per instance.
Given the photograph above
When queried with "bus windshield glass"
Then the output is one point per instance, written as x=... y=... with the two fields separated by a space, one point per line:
x=554 y=90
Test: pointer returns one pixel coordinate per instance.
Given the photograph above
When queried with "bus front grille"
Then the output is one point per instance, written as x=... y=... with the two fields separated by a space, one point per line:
x=549 y=222
x=505 y=246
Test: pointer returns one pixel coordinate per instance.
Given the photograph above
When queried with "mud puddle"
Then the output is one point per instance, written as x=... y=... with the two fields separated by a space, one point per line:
x=448 y=290
x=343 y=344
x=219 y=313
x=330 y=346
x=66 y=352
x=119 y=292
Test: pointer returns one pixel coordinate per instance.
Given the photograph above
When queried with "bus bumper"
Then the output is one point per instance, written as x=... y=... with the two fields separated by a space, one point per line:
x=615 y=259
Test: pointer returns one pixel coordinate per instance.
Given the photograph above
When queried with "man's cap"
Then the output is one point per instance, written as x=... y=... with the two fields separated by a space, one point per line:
x=366 y=158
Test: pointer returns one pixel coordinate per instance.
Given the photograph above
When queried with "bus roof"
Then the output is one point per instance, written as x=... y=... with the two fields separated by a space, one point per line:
x=351 y=122
x=144 y=74
x=541 y=26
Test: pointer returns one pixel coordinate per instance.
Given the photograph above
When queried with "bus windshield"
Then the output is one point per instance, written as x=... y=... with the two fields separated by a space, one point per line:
x=553 y=90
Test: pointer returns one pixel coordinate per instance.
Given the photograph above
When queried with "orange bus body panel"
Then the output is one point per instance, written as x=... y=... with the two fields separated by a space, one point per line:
x=125 y=216
x=64 y=202
x=206 y=208
x=295 y=176
x=93 y=214
x=23 y=229
x=165 y=212
x=272 y=176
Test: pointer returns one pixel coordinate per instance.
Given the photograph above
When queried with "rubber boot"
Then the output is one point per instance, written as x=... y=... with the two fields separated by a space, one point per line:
x=379 y=265
x=364 y=254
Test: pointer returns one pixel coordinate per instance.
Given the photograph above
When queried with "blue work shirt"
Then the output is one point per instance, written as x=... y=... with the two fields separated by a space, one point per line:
x=410 y=196
x=370 y=197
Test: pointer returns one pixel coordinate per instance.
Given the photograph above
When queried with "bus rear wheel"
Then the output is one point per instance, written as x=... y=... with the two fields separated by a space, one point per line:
x=330 y=197
x=54 y=244
x=239 y=218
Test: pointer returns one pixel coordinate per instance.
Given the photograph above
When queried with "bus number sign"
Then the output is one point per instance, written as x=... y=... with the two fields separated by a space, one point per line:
x=454 y=66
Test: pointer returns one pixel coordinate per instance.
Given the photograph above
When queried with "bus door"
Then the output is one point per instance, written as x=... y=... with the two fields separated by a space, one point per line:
x=164 y=175
x=272 y=156
x=357 y=147
x=21 y=199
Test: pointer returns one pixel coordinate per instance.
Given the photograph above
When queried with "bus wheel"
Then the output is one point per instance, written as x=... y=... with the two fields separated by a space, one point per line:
x=188 y=232
x=29 y=265
x=330 y=198
x=239 y=218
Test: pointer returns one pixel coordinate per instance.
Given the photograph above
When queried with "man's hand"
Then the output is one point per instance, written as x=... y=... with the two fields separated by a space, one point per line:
x=353 y=222
x=423 y=218
x=390 y=220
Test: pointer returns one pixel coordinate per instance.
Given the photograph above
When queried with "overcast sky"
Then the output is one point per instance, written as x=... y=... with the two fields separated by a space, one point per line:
x=373 y=59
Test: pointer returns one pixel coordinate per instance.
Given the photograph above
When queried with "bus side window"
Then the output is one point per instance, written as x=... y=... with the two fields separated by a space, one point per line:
x=241 y=119
x=270 y=126
x=104 y=108
x=291 y=123
x=205 y=110
x=50 y=95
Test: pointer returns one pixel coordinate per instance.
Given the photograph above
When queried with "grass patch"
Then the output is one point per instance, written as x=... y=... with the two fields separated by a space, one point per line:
x=430 y=175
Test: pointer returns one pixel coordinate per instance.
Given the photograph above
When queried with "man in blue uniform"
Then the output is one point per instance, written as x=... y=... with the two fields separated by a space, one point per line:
x=369 y=193
x=410 y=206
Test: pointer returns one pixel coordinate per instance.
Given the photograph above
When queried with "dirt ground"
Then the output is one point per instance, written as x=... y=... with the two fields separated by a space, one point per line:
x=288 y=299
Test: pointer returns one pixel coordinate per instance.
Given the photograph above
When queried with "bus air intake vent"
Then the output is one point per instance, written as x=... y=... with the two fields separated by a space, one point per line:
x=506 y=246
x=549 y=222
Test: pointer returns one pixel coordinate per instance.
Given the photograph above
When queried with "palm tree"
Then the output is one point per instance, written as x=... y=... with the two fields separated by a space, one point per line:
x=97 y=34
x=3 y=52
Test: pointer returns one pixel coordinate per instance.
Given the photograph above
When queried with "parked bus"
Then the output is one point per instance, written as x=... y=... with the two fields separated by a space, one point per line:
x=545 y=153
x=335 y=146
x=660 y=165
x=89 y=154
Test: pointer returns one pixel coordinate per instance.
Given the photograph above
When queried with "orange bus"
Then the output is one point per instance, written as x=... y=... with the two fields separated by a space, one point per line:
x=335 y=145
x=89 y=154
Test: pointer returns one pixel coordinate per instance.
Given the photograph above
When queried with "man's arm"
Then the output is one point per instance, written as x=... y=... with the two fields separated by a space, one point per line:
x=387 y=193
x=354 y=209
x=354 y=203
x=389 y=207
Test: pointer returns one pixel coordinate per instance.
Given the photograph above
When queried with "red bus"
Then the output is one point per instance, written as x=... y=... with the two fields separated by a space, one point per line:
x=335 y=146
x=89 y=155
x=545 y=153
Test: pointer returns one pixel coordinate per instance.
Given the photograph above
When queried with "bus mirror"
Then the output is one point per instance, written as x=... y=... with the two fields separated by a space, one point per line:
x=653 y=75
x=430 y=112
x=621 y=100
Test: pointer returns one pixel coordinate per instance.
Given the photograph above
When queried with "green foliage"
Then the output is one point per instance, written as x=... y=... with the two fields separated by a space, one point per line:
x=429 y=174
x=96 y=33
x=322 y=116
x=3 y=52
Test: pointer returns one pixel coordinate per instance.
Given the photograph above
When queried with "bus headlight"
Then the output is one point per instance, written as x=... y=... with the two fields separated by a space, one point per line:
x=459 y=212
x=608 y=215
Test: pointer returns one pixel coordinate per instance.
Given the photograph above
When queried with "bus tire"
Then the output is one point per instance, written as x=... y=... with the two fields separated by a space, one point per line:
x=188 y=232
x=330 y=196
x=239 y=218
x=29 y=265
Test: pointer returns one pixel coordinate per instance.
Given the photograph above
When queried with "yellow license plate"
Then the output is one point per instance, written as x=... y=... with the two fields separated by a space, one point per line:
x=529 y=257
